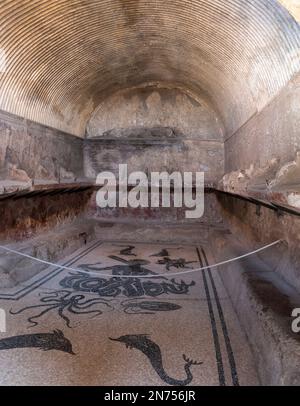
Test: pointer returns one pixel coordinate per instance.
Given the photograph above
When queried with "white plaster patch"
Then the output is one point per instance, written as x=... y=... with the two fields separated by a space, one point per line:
x=293 y=6
x=294 y=200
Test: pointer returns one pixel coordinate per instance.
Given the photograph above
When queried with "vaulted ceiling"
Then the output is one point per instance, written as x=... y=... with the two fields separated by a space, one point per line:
x=62 y=57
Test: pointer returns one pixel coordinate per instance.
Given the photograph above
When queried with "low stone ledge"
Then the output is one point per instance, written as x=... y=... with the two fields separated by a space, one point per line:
x=264 y=303
x=52 y=247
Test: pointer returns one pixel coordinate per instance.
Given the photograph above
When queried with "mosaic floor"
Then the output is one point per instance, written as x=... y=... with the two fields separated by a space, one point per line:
x=92 y=326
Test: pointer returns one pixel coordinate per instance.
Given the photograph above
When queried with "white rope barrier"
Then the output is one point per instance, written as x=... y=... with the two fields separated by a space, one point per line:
x=141 y=276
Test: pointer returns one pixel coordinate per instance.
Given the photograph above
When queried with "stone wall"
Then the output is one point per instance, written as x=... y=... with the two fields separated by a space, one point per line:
x=154 y=129
x=272 y=134
x=148 y=155
x=155 y=107
x=162 y=215
x=256 y=226
x=30 y=150
x=26 y=217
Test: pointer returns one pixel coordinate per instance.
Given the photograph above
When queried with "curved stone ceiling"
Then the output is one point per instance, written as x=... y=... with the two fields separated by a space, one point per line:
x=64 y=57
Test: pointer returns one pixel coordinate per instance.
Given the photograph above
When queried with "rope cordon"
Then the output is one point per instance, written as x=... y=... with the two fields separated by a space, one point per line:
x=141 y=276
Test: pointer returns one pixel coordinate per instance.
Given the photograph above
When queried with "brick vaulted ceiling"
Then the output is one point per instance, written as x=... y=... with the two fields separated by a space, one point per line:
x=63 y=57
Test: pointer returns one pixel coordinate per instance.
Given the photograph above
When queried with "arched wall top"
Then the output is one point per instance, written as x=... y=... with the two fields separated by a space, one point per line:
x=131 y=111
x=62 y=57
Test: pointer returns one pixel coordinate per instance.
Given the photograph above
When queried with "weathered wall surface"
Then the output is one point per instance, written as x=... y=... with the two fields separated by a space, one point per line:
x=274 y=133
x=26 y=217
x=150 y=156
x=257 y=227
x=155 y=107
x=30 y=150
x=49 y=227
x=50 y=246
x=161 y=215
x=264 y=303
x=154 y=129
